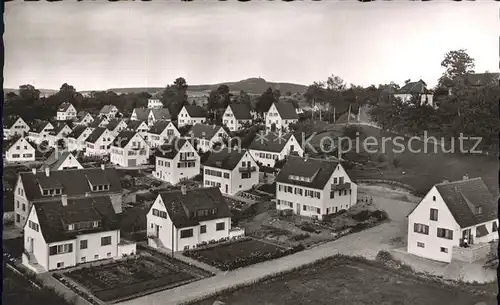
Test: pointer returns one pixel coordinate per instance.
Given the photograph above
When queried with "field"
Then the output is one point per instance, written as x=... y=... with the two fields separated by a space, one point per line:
x=131 y=277
x=348 y=281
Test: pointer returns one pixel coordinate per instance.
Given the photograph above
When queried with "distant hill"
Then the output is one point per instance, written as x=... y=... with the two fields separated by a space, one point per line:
x=43 y=92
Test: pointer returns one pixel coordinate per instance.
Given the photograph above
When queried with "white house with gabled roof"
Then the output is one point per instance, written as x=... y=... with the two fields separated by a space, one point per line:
x=236 y=116
x=176 y=161
x=129 y=149
x=85 y=118
x=267 y=148
x=162 y=132
x=66 y=112
x=20 y=151
x=98 y=142
x=455 y=220
x=61 y=160
x=206 y=136
x=77 y=137
x=108 y=111
x=40 y=132
x=280 y=116
x=116 y=126
x=61 y=131
x=191 y=115
x=15 y=127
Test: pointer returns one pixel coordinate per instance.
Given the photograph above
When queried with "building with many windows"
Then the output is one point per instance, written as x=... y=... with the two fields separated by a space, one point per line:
x=129 y=149
x=15 y=126
x=20 y=151
x=162 y=132
x=236 y=116
x=191 y=115
x=176 y=161
x=98 y=142
x=66 y=112
x=280 y=116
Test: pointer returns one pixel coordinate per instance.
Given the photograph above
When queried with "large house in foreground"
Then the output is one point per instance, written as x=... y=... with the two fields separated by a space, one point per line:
x=20 y=151
x=455 y=220
x=314 y=187
x=268 y=148
x=280 y=116
x=180 y=220
x=232 y=171
x=47 y=185
x=63 y=232
x=176 y=161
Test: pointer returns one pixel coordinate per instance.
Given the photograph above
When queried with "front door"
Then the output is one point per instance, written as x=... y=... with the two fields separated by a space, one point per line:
x=227 y=191
x=31 y=244
x=157 y=230
x=298 y=209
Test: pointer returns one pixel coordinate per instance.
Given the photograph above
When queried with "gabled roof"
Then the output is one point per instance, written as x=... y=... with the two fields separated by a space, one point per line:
x=123 y=138
x=53 y=216
x=56 y=159
x=319 y=170
x=97 y=122
x=142 y=113
x=161 y=114
x=39 y=126
x=58 y=128
x=204 y=131
x=272 y=142
x=463 y=196
x=170 y=150
x=133 y=125
x=106 y=109
x=9 y=121
x=181 y=207
x=195 y=111
x=483 y=79
x=77 y=131
x=82 y=113
x=95 y=135
x=15 y=143
x=159 y=127
x=225 y=159
x=63 y=107
x=414 y=87
x=241 y=111
x=74 y=182
x=113 y=123
x=286 y=111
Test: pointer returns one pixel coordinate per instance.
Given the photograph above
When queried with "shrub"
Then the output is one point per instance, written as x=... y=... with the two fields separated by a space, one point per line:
x=362 y=216
x=300 y=237
x=384 y=256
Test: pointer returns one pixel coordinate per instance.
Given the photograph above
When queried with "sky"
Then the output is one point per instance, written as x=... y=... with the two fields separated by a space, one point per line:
x=96 y=45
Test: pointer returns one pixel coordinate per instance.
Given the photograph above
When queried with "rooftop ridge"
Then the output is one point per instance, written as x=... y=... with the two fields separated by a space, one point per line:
x=457 y=181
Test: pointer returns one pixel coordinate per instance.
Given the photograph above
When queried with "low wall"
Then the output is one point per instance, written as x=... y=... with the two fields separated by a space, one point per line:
x=472 y=254
x=236 y=232
x=127 y=248
x=388 y=182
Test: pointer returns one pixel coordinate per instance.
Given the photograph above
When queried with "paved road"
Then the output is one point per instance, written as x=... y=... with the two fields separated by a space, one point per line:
x=366 y=243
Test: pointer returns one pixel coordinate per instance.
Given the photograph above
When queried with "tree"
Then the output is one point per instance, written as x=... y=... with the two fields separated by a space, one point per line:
x=457 y=63
x=266 y=99
x=175 y=97
x=245 y=99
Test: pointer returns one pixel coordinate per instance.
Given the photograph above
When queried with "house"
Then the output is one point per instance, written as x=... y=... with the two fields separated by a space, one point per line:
x=176 y=161
x=155 y=103
x=180 y=220
x=151 y=116
x=77 y=137
x=100 y=122
x=455 y=220
x=162 y=132
x=61 y=160
x=141 y=127
x=116 y=126
x=236 y=116
x=84 y=118
x=411 y=89
x=63 y=232
x=314 y=187
x=232 y=171
x=280 y=116
x=129 y=149
x=483 y=79
x=74 y=183
x=40 y=132
x=20 y=151
x=191 y=115
x=15 y=126
x=61 y=131
x=206 y=136
x=266 y=149
x=66 y=112
x=98 y=142
x=108 y=111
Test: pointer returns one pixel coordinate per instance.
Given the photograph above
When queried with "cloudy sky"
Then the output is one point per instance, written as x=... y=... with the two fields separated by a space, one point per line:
x=99 y=45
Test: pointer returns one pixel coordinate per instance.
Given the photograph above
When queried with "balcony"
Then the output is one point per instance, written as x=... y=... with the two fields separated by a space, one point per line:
x=247 y=169
x=342 y=186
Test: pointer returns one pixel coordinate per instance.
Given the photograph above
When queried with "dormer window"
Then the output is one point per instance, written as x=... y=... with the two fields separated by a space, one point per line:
x=478 y=210
x=100 y=187
x=82 y=225
x=51 y=192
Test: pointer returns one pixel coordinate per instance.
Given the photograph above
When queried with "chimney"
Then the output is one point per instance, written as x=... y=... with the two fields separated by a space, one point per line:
x=103 y=166
x=33 y=170
x=183 y=189
x=47 y=171
x=465 y=177
x=64 y=199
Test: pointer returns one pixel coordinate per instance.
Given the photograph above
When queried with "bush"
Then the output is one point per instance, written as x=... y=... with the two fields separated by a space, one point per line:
x=362 y=216
x=300 y=237
x=384 y=256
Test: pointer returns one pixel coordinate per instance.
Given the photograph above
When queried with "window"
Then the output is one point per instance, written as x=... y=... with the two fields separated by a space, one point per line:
x=433 y=198
x=304 y=207
x=203 y=229
x=84 y=259
x=60 y=249
x=220 y=226
x=445 y=233
x=187 y=233
x=156 y=212
x=332 y=194
x=434 y=214
x=479 y=210
x=420 y=245
x=421 y=228
x=106 y=240
x=318 y=210
x=444 y=250
x=83 y=244
x=335 y=180
x=17 y=203
x=341 y=180
x=494 y=227
x=34 y=226
x=108 y=254
x=60 y=265
x=96 y=256
x=245 y=175
x=226 y=175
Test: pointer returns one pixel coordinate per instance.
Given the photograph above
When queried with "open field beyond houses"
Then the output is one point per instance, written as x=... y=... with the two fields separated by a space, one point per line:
x=349 y=282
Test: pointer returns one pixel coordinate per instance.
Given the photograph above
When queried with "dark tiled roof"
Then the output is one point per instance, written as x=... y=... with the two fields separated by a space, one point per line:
x=161 y=114
x=195 y=111
x=123 y=138
x=77 y=131
x=113 y=123
x=81 y=114
x=96 y=134
x=106 y=109
x=56 y=159
x=170 y=150
x=318 y=169
x=38 y=126
x=142 y=113
x=159 y=127
x=9 y=121
x=271 y=142
x=463 y=196
x=225 y=159
x=74 y=182
x=180 y=207
x=63 y=107
x=58 y=128
x=97 y=122
x=204 y=131
x=414 y=87
x=133 y=125
x=483 y=79
x=241 y=111
x=286 y=111
x=53 y=216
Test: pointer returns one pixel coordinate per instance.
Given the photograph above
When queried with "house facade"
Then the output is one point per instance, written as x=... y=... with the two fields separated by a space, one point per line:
x=100 y=122
x=268 y=148
x=411 y=89
x=236 y=116
x=98 y=142
x=314 y=187
x=66 y=112
x=232 y=171
x=116 y=126
x=60 y=131
x=155 y=103
x=162 y=132
x=87 y=230
x=206 y=136
x=108 y=111
x=129 y=149
x=61 y=160
x=77 y=137
x=151 y=116
x=454 y=219
x=20 y=151
x=191 y=115
x=176 y=161
x=141 y=127
x=15 y=127
x=40 y=132
x=180 y=220
x=85 y=118
x=280 y=116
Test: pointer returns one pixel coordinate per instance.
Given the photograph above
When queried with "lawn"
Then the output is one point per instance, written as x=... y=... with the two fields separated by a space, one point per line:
x=239 y=254
x=348 y=281
x=125 y=279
